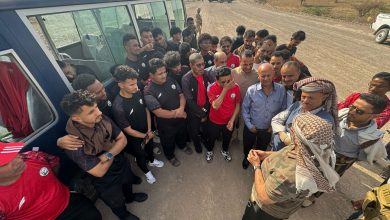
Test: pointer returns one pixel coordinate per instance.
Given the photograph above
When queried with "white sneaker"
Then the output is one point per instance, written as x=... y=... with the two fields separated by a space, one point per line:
x=156 y=163
x=209 y=156
x=150 y=178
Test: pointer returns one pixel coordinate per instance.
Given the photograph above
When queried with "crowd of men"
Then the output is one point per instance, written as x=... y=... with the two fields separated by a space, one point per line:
x=198 y=87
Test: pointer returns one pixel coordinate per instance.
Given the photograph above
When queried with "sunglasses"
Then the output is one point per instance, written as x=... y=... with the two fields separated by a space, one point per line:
x=358 y=111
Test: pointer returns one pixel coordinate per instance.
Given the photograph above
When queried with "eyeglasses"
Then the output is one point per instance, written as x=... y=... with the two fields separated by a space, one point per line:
x=358 y=111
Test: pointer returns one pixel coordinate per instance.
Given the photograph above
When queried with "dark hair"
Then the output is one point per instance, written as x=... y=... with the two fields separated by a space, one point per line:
x=189 y=19
x=172 y=59
x=82 y=81
x=281 y=47
x=127 y=37
x=203 y=37
x=214 y=40
x=247 y=53
x=72 y=103
x=186 y=33
x=240 y=29
x=124 y=72
x=174 y=30
x=184 y=48
x=157 y=31
x=271 y=37
x=262 y=33
x=285 y=54
x=383 y=75
x=155 y=64
x=378 y=102
x=249 y=33
x=226 y=38
x=299 y=35
x=144 y=29
x=60 y=63
x=222 y=71
x=113 y=67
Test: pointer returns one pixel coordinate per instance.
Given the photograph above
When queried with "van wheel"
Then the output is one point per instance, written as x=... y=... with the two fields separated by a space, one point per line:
x=381 y=35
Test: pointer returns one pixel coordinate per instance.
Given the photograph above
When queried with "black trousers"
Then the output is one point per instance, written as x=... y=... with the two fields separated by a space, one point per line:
x=213 y=132
x=254 y=212
x=260 y=140
x=80 y=207
x=197 y=130
x=172 y=134
x=115 y=187
x=142 y=155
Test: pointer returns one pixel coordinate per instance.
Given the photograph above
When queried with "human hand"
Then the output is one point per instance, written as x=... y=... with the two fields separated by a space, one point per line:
x=253 y=129
x=69 y=142
x=261 y=154
x=148 y=47
x=253 y=158
x=229 y=84
x=230 y=125
x=285 y=137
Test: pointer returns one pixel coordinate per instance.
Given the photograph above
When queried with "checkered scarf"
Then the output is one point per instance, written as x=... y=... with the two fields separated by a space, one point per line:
x=328 y=88
x=313 y=138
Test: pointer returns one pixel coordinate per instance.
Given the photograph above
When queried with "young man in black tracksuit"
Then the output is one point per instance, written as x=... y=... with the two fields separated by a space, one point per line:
x=194 y=86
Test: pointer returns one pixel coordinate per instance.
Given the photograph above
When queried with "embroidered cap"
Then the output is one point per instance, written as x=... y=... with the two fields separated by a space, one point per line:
x=8 y=151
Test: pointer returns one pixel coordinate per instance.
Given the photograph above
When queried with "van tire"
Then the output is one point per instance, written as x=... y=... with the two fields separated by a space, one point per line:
x=381 y=35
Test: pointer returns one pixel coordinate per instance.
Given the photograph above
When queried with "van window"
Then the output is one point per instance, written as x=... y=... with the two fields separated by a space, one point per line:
x=176 y=12
x=152 y=15
x=23 y=110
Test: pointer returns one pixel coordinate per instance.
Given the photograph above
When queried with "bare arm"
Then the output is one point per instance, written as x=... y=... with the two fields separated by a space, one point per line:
x=162 y=113
x=217 y=102
x=69 y=142
x=134 y=133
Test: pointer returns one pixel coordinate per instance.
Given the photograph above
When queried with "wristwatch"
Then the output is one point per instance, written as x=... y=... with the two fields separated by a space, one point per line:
x=256 y=167
x=108 y=155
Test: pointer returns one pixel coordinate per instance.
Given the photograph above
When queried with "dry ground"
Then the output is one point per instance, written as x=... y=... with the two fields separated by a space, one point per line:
x=342 y=52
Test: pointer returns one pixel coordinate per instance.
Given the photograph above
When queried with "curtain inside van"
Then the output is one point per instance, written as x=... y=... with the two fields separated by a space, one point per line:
x=13 y=102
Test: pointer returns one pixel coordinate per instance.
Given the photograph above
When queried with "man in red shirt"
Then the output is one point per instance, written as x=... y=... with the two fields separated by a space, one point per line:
x=224 y=97
x=379 y=85
x=233 y=60
x=29 y=188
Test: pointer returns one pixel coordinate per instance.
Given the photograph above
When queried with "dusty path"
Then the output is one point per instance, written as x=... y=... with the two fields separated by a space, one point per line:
x=344 y=53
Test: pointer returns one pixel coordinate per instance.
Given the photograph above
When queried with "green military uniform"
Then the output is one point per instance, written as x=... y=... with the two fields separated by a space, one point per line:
x=278 y=171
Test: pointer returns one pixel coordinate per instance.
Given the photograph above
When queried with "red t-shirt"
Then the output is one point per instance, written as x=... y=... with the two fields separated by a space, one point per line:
x=233 y=61
x=226 y=110
x=383 y=117
x=37 y=194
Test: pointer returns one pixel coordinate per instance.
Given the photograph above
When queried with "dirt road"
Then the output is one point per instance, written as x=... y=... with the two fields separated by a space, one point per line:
x=344 y=53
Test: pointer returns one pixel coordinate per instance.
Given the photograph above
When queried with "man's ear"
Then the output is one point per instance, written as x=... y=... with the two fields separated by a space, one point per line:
x=120 y=85
x=76 y=118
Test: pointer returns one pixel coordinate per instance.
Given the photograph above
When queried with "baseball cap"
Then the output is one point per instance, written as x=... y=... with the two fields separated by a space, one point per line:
x=8 y=151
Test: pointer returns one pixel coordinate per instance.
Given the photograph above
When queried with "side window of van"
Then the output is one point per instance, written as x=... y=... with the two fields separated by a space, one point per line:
x=23 y=110
x=90 y=40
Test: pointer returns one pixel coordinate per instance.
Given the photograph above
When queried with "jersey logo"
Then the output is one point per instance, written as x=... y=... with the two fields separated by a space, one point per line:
x=131 y=112
x=173 y=86
x=143 y=64
x=159 y=95
x=22 y=201
x=140 y=101
x=109 y=103
x=232 y=66
x=210 y=62
x=233 y=95
x=44 y=171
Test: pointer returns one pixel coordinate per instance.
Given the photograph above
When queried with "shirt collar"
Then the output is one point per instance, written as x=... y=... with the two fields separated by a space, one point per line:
x=259 y=87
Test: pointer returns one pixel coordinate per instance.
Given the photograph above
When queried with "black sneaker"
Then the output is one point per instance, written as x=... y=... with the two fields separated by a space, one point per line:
x=138 y=197
x=245 y=164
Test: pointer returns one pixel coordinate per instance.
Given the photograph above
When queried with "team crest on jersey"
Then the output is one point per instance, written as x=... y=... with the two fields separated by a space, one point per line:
x=43 y=171
x=233 y=95
x=173 y=86
x=131 y=112
x=143 y=65
x=109 y=103
x=232 y=66
x=210 y=62
x=159 y=95
x=141 y=102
